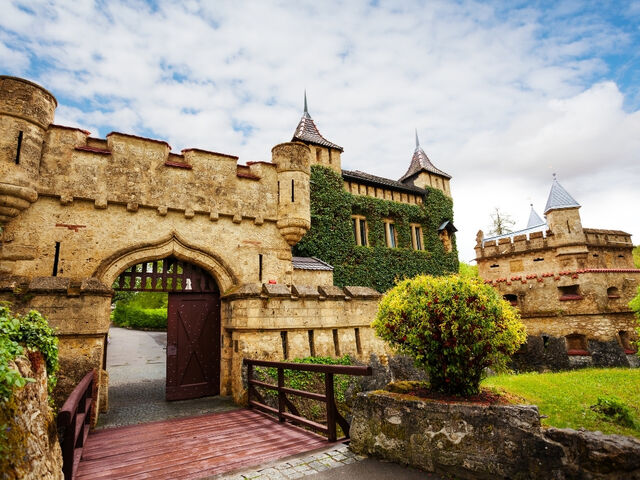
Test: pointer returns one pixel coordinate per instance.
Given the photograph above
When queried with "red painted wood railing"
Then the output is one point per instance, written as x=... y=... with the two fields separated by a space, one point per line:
x=74 y=420
x=333 y=416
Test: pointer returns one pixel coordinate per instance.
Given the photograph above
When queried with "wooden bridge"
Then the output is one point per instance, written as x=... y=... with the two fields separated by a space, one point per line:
x=192 y=448
x=202 y=446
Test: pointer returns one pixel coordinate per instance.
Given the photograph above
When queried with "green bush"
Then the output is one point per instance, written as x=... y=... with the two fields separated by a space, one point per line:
x=125 y=315
x=616 y=411
x=20 y=332
x=453 y=327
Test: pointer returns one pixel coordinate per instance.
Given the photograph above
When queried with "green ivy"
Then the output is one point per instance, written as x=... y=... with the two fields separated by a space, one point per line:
x=20 y=332
x=331 y=237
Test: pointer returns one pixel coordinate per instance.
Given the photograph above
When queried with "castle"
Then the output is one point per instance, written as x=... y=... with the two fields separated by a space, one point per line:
x=572 y=286
x=81 y=216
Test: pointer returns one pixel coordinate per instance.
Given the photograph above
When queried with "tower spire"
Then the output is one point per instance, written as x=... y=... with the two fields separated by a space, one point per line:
x=417 y=140
x=306 y=110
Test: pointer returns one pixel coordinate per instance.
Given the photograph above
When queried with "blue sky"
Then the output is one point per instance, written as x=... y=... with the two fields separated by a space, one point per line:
x=503 y=94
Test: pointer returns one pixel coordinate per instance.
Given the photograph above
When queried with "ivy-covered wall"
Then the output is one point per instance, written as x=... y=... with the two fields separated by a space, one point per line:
x=331 y=237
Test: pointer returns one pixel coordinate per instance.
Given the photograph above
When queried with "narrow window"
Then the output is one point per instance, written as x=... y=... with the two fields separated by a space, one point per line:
x=278 y=192
x=358 y=344
x=260 y=267
x=568 y=227
x=495 y=265
x=390 y=234
x=19 y=147
x=545 y=341
x=336 y=342
x=293 y=192
x=318 y=155
x=330 y=159
x=539 y=259
x=285 y=344
x=354 y=224
x=312 y=345
x=363 y=232
x=416 y=237
x=235 y=346
x=56 y=259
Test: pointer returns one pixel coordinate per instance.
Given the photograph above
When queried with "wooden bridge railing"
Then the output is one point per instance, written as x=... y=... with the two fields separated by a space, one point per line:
x=333 y=416
x=74 y=419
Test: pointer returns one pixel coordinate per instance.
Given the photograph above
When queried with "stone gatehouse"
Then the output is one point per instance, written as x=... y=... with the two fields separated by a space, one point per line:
x=79 y=213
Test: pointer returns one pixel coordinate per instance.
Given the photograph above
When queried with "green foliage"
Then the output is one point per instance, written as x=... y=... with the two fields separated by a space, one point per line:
x=616 y=411
x=636 y=256
x=565 y=398
x=131 y=316
x=453 y=327
x=331 y=237
x=20 y=332
x=468 y=271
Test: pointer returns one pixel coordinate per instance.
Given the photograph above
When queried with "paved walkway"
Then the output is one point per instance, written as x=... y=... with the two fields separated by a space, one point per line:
x=136 y=362
x=329 y=463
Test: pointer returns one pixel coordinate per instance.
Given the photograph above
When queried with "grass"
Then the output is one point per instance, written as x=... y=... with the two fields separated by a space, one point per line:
x=567 y=397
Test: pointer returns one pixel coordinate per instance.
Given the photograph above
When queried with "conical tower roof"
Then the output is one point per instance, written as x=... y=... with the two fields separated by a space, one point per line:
x=307 y=132
x=559 y=198
x=420 y=162
x=534 y=219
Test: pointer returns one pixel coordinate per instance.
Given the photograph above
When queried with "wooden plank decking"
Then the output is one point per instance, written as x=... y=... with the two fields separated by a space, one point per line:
x=192 y=448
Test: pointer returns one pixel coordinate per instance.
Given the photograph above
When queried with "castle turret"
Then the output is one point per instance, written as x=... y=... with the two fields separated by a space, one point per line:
x=323 y=152
x=422 y=173
x=26 y=111
x=563 y=217
x=293 y=162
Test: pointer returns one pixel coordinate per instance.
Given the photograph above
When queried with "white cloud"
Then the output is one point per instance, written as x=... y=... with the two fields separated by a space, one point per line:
x=500 y=98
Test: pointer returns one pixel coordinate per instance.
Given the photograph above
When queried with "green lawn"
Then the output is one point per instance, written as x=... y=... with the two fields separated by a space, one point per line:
x=566 y=397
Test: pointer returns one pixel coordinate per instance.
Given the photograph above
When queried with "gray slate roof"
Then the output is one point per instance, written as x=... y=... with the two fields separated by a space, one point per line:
x=559 y=197
x=534 y=219
x=306 y=131
x=420 y=162
x=310 y=263
x=366 y=178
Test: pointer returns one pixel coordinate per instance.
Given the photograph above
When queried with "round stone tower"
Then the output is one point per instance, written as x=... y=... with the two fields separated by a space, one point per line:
x=26 y=111
x=293 y=162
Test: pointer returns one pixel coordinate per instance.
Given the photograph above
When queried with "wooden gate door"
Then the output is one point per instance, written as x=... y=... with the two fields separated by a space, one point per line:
x=193 y=345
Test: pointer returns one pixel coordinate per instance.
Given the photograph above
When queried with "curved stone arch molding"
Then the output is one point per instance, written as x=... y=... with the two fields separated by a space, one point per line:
x=173 y=245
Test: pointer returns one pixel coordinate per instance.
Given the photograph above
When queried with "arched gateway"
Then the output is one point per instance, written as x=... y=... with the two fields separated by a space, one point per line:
x=193 y=323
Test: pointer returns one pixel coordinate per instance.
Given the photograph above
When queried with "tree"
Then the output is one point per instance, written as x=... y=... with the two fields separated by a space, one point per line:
x=501 y=223
x=453 y=327
x=636 y=256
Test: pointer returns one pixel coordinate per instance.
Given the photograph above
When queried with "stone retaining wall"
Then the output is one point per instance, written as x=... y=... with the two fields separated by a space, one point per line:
x=485 y=442
x=33 y=451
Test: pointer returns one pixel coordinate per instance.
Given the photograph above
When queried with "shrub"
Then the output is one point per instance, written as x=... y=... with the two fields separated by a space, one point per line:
x=453 y=327
x=20 y=332
x=635 y=306
x=616 y=411
x=128 y=316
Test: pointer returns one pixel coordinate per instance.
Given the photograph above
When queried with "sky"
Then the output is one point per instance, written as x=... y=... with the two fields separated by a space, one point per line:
x=502 y=94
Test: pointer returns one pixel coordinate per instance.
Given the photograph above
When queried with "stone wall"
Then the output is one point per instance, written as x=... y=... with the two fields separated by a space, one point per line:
x=485 y=442
x=278 y=322
x=33 y=449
